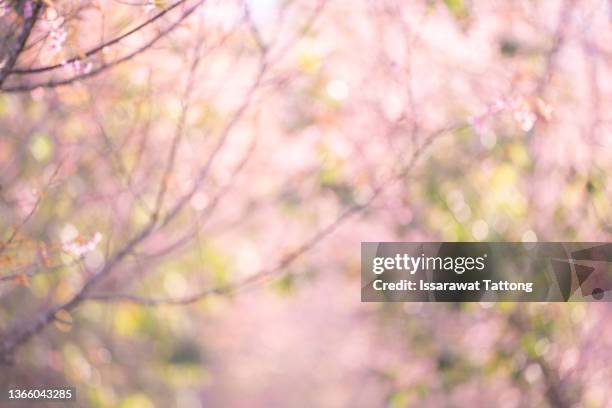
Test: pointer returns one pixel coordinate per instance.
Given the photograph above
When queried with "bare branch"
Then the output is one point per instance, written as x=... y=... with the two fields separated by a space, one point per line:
x=20 y=43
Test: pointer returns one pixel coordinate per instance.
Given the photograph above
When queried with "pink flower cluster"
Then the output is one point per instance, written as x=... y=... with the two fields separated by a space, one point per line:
x=57 y=33
x=78 y=248
x=479 y=122
x=77 y=67
x=518 y=106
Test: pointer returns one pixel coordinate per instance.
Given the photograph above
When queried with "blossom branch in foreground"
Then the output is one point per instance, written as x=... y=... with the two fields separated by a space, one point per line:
x=95 y=71
x=99 y=48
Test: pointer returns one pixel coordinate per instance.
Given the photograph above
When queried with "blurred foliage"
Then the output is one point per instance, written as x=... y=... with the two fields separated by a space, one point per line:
x=462 y=120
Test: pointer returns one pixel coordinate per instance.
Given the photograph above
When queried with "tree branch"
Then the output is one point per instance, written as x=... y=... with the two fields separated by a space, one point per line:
x=13 y=56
